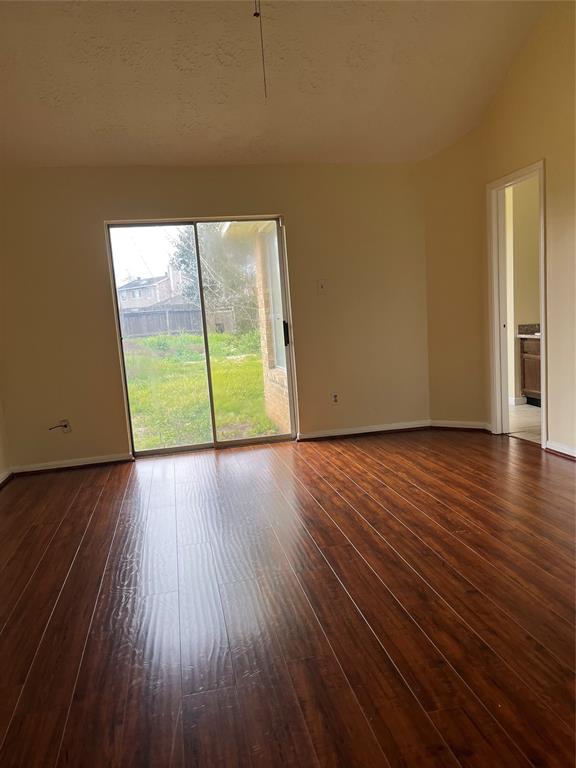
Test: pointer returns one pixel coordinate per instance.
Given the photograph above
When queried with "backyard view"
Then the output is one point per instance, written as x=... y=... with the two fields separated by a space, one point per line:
x=162 y=332
x=169 y=393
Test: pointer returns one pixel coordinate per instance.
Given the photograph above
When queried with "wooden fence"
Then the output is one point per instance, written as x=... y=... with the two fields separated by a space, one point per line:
x=151 y=322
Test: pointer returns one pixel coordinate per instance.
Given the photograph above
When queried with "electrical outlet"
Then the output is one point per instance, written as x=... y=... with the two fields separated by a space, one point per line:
x=63 y=425
x=334 y=398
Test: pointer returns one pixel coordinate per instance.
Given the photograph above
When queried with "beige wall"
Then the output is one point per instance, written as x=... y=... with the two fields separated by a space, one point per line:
x=531 y=118
x=358 y=228
x=522 y=214
x=513 y=373
x=4 y=464
x=526 y=234
x=456 y=284
x=402 y=248
x=525 y=226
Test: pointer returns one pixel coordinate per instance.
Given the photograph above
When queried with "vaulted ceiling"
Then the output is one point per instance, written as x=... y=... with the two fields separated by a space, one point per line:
x=165 y=83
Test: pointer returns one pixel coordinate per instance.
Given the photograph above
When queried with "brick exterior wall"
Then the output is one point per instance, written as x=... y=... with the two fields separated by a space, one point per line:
x=275 y=378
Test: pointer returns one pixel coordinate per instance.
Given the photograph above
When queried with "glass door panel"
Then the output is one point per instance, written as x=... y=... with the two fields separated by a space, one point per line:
x=160 y=315
x=242 y=288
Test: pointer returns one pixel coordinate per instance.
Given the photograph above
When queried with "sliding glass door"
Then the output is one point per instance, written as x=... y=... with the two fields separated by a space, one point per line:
x=160 y=317
x=244 y=315
x=204 y=330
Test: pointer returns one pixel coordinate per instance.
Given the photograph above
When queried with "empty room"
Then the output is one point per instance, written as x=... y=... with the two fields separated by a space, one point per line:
x=287 y=384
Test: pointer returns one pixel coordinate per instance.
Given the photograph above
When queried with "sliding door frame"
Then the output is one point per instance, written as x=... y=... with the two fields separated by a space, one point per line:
x=205 y=338
x=287 y=315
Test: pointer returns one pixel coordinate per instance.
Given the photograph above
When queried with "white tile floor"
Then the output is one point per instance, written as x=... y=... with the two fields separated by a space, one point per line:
x=525 y=422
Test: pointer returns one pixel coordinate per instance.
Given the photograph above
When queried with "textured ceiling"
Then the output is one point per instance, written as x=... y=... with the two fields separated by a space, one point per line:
x=114 y=83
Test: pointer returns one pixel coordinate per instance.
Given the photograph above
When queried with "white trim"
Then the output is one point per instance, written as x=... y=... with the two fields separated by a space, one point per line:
x=561 y=448
x=493 y=236
x=286 y=307
x=189 y=220
x=517 y=400
x=119 y=348
x=497 y=268
x=293 y=401
x=343 y=431
x=5 y=475
x=361 y=430
x=66 y=463
x=459 y=424
x=543 y=310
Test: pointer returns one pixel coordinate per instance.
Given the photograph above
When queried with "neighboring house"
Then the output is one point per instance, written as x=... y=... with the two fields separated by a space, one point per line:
x=144 y=291
x=155 y=305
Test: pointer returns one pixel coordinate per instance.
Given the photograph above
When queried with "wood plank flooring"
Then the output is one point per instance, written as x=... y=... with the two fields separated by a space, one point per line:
x=396 y=600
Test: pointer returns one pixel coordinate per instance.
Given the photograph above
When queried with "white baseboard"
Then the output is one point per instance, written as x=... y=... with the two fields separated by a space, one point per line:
x=5 y=475
x=342 y=432
x=561 y=448
x=67 y=463
x=362 y=430
x=459 y=424
x=517 y=401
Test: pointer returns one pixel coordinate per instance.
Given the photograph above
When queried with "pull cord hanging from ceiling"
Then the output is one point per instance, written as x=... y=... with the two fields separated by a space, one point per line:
x=258 y=15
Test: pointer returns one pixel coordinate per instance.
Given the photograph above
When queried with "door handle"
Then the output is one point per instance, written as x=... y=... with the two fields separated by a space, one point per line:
x=286 y=333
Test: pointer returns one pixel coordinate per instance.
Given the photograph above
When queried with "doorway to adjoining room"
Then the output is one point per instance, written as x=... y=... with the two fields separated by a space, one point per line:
x=518 y=285
x=522 y=201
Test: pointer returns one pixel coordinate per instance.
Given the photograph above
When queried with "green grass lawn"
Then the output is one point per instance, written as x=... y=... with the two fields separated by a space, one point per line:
x=168 y=390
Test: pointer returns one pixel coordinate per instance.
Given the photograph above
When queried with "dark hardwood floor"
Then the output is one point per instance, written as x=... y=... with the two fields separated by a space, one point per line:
x=398 y=600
